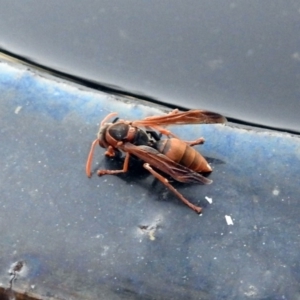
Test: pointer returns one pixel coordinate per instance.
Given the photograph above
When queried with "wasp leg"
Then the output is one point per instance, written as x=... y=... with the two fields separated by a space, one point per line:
x=195 y=142
x=113 y=172
x=90 y=158
x=110 y=151
x=165 y=181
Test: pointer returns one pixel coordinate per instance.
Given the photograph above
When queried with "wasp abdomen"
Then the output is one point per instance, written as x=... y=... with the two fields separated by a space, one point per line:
x=183 y=154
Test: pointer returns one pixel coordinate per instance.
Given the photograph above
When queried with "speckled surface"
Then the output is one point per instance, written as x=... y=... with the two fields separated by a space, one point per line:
x=82 y=238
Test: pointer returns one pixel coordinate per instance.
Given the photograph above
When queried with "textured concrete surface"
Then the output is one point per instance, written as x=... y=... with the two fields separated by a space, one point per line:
x=127 y=236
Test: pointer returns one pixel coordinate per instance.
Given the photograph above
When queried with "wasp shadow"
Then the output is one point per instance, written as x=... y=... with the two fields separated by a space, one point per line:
x=135 y=168
x=214 y=161
x=139 y=176
x=137 y=171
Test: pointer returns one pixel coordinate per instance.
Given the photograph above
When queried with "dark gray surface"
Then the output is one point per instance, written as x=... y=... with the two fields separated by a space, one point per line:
x=81 y=238
x=240 y=58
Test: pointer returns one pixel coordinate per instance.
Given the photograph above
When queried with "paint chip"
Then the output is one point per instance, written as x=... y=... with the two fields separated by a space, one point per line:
x=228 y=220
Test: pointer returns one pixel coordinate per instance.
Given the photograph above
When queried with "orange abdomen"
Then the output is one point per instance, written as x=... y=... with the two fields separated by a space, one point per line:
x=183 y=154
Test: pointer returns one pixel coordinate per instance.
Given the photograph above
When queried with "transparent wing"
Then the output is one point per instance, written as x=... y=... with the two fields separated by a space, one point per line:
x=179 y=118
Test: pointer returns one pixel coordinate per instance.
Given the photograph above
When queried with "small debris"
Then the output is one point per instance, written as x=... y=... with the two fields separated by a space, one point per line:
x=16 y=270
x=17 y=110
x=209 y=200
x=276 y=192
x=16 y=267
x=151 y=235
x=150 y=230
x=228 y=220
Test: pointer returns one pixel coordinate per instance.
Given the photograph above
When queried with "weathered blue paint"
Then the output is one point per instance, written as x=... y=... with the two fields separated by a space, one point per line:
x=81 y=238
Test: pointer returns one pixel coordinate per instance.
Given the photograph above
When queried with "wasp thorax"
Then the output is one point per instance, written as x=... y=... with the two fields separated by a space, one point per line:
x=118 y=131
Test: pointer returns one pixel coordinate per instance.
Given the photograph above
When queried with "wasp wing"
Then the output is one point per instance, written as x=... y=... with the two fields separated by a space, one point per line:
x=164 y=164
x=194 y=116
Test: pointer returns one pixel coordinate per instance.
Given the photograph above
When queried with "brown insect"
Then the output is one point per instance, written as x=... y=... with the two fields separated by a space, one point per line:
x=142 y=138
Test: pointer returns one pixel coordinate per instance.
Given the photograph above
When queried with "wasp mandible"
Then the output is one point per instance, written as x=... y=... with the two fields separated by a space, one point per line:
x=172 y=155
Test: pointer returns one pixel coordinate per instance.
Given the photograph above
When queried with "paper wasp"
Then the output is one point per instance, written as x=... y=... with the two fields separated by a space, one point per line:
x=142 y=139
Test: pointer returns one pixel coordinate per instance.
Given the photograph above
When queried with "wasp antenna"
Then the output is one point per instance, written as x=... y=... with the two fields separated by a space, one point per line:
x=108 y=117
x=90 y=158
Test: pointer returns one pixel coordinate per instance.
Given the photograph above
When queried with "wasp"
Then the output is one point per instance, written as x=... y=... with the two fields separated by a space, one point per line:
x=143 y=139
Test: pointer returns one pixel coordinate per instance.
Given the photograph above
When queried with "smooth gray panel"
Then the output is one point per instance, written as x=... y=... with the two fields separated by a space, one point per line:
x=241 y=58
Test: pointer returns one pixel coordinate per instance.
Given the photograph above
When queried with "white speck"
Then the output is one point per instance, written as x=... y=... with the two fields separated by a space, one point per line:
x=228 y=220
x=296 y=56
x=32 y=286
x=105 y=251
x=275 y=192
x=17 y=110
x=250 y=52
x=251 y=292
x=209 y=200
x=151 y=235
x=215 y=64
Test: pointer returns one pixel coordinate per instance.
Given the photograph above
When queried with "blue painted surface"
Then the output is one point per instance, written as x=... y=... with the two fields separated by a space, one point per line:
x=81 y=238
